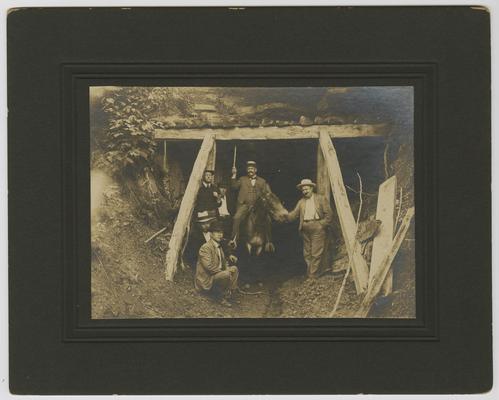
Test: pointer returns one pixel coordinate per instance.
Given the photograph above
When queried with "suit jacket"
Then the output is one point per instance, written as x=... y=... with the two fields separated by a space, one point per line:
x=196 y=239
x=205 y=200
x=321 y=205
x=244 y=186
x=208 y=265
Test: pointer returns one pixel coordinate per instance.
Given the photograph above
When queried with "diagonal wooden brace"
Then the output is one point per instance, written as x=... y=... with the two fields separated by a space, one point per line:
x=187 y=206
x=360 y=270
x=377 y=281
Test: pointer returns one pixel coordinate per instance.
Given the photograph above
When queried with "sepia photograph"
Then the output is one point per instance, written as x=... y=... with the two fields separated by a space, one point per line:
x=252 y=202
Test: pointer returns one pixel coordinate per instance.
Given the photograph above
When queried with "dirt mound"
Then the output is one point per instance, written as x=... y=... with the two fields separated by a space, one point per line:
x=315 y=298
x=128 y=279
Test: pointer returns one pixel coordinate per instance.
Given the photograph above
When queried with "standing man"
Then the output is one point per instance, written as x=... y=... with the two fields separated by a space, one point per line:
x=214 y=275
x=250 y=189
x=208 y=201
x=315 y=216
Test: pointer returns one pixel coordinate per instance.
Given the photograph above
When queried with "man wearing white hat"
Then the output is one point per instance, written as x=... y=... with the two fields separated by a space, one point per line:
x=250 y=189
x=314 y=214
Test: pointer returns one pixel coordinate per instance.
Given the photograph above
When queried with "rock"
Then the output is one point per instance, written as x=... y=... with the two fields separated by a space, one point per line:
x=368 y=229
x=305 y=121
x=319 y=120
x=266 y=122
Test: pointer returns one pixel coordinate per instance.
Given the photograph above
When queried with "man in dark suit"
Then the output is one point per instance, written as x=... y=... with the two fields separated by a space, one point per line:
x=198 y=235
x=208 y=201
x=250 y=189
x=315 y=217
x=214 y=275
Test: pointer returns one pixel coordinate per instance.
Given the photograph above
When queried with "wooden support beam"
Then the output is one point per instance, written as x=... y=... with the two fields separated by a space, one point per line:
x=360 y=271
x=379 y=278
x=187 y=206
x=210 y=164
x=164 y=155
x=323 y=185
x=274 y=132
x=385 y=212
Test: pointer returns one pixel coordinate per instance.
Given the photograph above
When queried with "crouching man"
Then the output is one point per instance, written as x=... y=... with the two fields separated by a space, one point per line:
x=214 y=275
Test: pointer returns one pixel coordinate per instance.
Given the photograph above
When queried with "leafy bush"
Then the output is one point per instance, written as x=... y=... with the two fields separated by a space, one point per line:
x=128 y=146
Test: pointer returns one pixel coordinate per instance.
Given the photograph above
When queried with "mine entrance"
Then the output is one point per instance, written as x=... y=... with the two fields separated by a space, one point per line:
x=329 y=177
x=282 y=164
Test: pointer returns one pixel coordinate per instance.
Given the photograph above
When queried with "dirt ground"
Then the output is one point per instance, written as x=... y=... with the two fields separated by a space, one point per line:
x=127 y=278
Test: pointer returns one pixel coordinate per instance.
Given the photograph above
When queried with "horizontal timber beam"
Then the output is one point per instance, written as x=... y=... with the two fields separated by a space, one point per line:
x=274 y=132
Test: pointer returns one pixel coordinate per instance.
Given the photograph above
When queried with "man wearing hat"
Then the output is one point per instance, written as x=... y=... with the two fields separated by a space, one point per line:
x=198 y=235
x=214 y=275
x=208 y=201
x=315 y=217
x=250 y=189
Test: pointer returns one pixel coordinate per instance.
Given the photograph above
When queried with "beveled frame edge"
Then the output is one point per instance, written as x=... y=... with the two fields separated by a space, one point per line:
x=423 y=328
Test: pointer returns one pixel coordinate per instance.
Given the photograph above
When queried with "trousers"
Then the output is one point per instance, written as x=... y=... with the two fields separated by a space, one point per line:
x=225 y=280
x=226 y=221
x=241 y=213
x=314 y=242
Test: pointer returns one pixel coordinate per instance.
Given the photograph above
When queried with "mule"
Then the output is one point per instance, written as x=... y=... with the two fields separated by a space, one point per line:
x=256 y=229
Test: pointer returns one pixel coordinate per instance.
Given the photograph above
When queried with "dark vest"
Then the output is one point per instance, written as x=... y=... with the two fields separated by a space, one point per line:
x=205 y=200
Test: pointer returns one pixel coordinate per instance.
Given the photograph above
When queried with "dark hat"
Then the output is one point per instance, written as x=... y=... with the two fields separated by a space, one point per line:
x=250 y=164
x=216 y=226
x=223 y=185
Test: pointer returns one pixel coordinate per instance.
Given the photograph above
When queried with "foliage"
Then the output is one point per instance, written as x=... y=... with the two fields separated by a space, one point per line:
x=128 y=147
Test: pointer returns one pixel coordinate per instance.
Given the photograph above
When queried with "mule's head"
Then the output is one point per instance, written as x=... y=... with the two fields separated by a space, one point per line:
x=273 y=206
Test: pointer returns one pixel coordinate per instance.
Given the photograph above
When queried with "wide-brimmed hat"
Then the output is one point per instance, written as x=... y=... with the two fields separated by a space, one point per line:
x=206 y=216
x=216 y=226
x=305 y=182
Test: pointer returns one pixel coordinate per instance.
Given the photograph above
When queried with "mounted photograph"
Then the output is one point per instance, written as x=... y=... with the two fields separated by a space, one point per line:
x=252 y=202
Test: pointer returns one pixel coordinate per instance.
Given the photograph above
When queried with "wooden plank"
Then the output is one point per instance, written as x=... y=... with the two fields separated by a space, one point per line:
x=274 y=132
x=324 y=188
x=164 y=155
x=360 y=271
x=385 y=212
x=187 y=206
x=379 y=278
x=210 y=164
x=323 y=185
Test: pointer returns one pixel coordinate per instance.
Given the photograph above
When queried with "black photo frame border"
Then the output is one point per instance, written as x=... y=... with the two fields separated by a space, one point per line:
x=41 y=41
x=76 y=80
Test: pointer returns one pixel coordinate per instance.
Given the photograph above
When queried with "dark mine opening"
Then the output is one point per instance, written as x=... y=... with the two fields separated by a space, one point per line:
x=283 y=163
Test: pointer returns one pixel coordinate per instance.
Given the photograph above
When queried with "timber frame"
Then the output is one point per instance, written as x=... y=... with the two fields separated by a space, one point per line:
x=328 y=169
